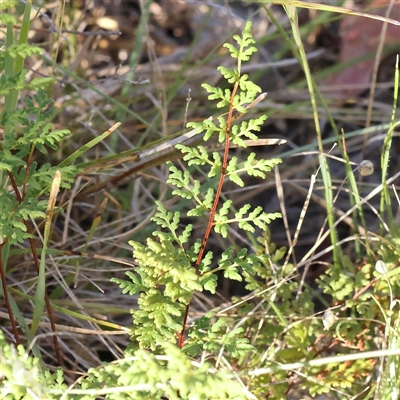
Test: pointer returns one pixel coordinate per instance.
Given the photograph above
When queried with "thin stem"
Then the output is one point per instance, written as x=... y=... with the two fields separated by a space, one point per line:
x=6 y=298
x=215 y=204
x=36 y=262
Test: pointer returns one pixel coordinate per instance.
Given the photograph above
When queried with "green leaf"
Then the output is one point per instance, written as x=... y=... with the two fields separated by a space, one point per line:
x=14 y=82
x=232 y=49
x=218 y=325
x=209 y=198
x=209 y=282
x=192 y=349
x=232 y=273
x=165 y=218
x=218 y=94
x=198 y=211
x=194 y=155
x=235 y=178
x=23 y=50
x=220 y=219
x=206 y=262
x=231 y=75
x=216 y=165
x=185 y=236
x=133 y=287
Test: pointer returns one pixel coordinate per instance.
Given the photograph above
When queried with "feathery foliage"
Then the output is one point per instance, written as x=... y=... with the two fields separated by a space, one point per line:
x=167 y=275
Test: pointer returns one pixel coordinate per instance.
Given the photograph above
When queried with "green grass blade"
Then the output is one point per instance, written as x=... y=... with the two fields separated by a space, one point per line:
x=71 y=313
x=10 y=99
x=385 y=203
x=23 y=35
x=355 y=199
x=41 y=285
x=21 y=321
x=293 y=18
x=70 y=159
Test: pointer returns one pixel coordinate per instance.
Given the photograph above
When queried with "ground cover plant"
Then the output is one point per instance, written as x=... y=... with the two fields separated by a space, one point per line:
x=173 y=267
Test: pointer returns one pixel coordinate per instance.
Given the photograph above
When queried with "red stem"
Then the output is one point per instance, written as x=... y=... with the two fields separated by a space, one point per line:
x=214 y=207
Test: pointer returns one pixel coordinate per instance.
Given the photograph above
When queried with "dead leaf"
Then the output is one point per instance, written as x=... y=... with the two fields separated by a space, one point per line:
x=360 y=37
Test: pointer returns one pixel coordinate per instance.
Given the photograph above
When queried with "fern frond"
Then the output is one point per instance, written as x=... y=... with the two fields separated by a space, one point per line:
x=221 y=219
x=194 y=155
x=23 y=50
x=14 y=82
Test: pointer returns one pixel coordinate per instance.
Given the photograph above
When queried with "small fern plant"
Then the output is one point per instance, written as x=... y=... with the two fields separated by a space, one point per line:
x=27 y=131
x=173 y=266
x=28 y=137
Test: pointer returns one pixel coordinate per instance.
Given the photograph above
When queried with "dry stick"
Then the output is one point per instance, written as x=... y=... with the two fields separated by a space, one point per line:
x=99 y=32
x=280 y=194
x=36 y=262
x=188 y=100
x=215 y=204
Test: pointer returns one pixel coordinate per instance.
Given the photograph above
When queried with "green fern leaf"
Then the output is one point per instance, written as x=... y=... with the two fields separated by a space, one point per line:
x=221 y=218
x=209 y=198
x=232 y=273
x=231 y=75
x=242 y=212
x=216 y=165
x=185 y=235
x=209 y=282
x=194 y=155
x=40 y=83
x=22 y=50
x=235 y=345
x=206 y=262
x=130 y=287
x=6 y=18
x=231 y=172
x=235 y=178
x=166 y=219
x=250 y=89
x=232 y=49
x=198 y=211
x=14 y=82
